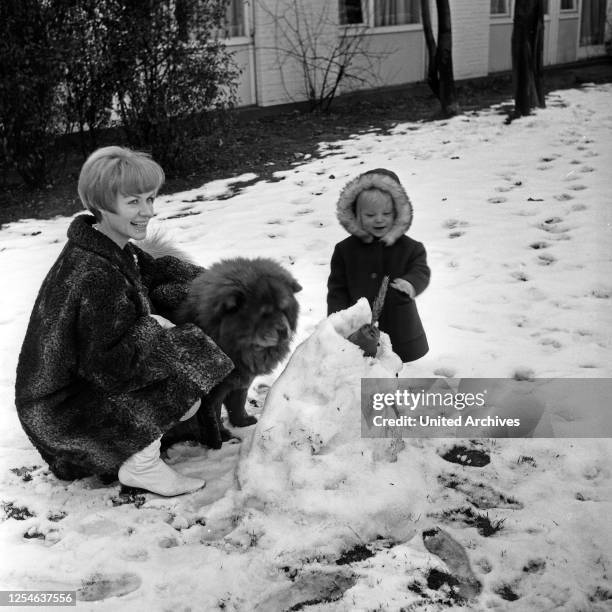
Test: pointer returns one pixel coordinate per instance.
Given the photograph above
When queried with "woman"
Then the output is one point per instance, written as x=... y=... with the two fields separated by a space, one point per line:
x=100 y=378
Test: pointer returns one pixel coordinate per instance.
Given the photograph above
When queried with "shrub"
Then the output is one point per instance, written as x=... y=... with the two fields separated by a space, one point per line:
x=29 y=77
x=174 y=78
x=84 y=30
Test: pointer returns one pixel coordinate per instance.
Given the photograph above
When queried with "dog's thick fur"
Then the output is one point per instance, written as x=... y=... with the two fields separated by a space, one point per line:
x=248 y=307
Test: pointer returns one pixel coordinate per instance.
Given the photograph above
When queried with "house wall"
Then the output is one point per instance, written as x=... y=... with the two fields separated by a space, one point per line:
x=279 y=74
x=500 y=53
x=470 y=24
x=567 y=42
x=390 y=57
x=242 y=58
x=397 y=55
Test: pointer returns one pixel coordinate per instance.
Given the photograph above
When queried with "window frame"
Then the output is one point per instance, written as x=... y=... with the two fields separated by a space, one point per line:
x=569 y=11
x=367 y=11
x=507 y=14
x=243 y=38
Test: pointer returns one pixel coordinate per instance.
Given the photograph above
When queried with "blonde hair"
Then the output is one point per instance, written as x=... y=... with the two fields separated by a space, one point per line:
x=373 y=195
x=111 y=171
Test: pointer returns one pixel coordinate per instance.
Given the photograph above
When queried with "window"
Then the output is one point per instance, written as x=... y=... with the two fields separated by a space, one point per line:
x=234 y=19
x=500 y=7
x=568 y=5
x=592 y=23
x=396 y=12
x=350 y=12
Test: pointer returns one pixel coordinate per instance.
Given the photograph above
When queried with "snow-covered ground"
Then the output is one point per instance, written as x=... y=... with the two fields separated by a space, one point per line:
x=305 y=514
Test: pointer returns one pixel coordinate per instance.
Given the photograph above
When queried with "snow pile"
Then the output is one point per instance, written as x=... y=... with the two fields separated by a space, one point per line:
x=307 y=455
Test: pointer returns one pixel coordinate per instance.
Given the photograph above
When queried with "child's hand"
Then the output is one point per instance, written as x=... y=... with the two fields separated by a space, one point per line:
x=404 y=286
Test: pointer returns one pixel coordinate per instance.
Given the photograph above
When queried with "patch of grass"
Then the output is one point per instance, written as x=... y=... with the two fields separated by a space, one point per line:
x=466 y=515
x=16 y=512
x=354 y=555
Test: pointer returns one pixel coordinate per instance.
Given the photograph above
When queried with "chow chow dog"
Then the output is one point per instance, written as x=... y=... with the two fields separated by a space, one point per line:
x=248 y=307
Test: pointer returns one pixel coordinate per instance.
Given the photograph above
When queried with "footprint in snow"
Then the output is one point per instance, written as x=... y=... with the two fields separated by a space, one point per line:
x=466 y=516
x=523 y=374
x=103 y=586
x=579 y=207
x=497 y=200
x=552 y=226
x=453 y=223
x=520 y=276
x=471 y=457
x=539 y=245
x=546 y=259
x=445 y=372
x=479 y=494
x=534 y=566
x=507 y=591
x=452 y=553
x=549 y=158
x=308 y=588
x=551 y=342
x=456 y=234
x=577 y=187
x=587 y=169
x=304 y=211
x=603 y=293
x=563 y=197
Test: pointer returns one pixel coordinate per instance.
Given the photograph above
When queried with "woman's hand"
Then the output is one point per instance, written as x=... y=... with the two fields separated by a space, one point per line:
x=162 y=321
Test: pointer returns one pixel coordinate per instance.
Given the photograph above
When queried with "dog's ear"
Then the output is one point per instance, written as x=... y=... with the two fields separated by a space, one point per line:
x=295 y=286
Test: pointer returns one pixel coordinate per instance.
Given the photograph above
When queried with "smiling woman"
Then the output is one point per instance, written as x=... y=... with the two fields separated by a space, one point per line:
x=100 y=377
x=119 y=187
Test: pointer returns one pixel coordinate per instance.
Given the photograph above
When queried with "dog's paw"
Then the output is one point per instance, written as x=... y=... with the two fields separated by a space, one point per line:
x=243 y=420
x=211 y=437
x=228 y=436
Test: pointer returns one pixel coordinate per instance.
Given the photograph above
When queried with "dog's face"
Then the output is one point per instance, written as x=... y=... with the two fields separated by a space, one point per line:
x=260 y=316
x=248 y=307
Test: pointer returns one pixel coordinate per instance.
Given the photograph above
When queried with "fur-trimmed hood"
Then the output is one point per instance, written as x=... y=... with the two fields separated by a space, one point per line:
x=382 y=179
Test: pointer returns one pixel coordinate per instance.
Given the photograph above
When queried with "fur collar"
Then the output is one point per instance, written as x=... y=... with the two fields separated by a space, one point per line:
x=382 y=179
x=82 y=233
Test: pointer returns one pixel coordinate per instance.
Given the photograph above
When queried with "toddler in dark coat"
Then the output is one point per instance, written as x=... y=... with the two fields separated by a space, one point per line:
x=375 y=209
x=100 y=377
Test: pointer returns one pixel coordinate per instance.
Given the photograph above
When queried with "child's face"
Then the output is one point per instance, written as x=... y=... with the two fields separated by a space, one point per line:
x=376 y=212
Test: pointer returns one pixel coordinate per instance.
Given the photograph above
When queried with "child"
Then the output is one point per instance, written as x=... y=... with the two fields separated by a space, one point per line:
x=375 y=209
x=100 y=378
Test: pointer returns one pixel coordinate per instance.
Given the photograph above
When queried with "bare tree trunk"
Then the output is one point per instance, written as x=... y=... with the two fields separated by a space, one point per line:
x=432 y=72
x=527 y=56
x=440 y=75
x=448 y=98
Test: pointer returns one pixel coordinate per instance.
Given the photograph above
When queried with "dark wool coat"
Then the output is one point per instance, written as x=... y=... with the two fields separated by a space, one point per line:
x=98 y=379
x=360 y=262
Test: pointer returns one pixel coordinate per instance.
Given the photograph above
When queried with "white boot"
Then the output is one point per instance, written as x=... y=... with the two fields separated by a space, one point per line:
x=146 y=470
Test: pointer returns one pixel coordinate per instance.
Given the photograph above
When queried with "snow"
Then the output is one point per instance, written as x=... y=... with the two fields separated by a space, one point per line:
x=517 y=224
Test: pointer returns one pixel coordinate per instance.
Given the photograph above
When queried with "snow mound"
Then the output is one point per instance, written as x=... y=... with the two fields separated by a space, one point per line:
x=307 y=455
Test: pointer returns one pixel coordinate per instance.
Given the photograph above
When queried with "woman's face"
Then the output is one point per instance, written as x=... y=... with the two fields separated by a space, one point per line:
x=129 y=219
